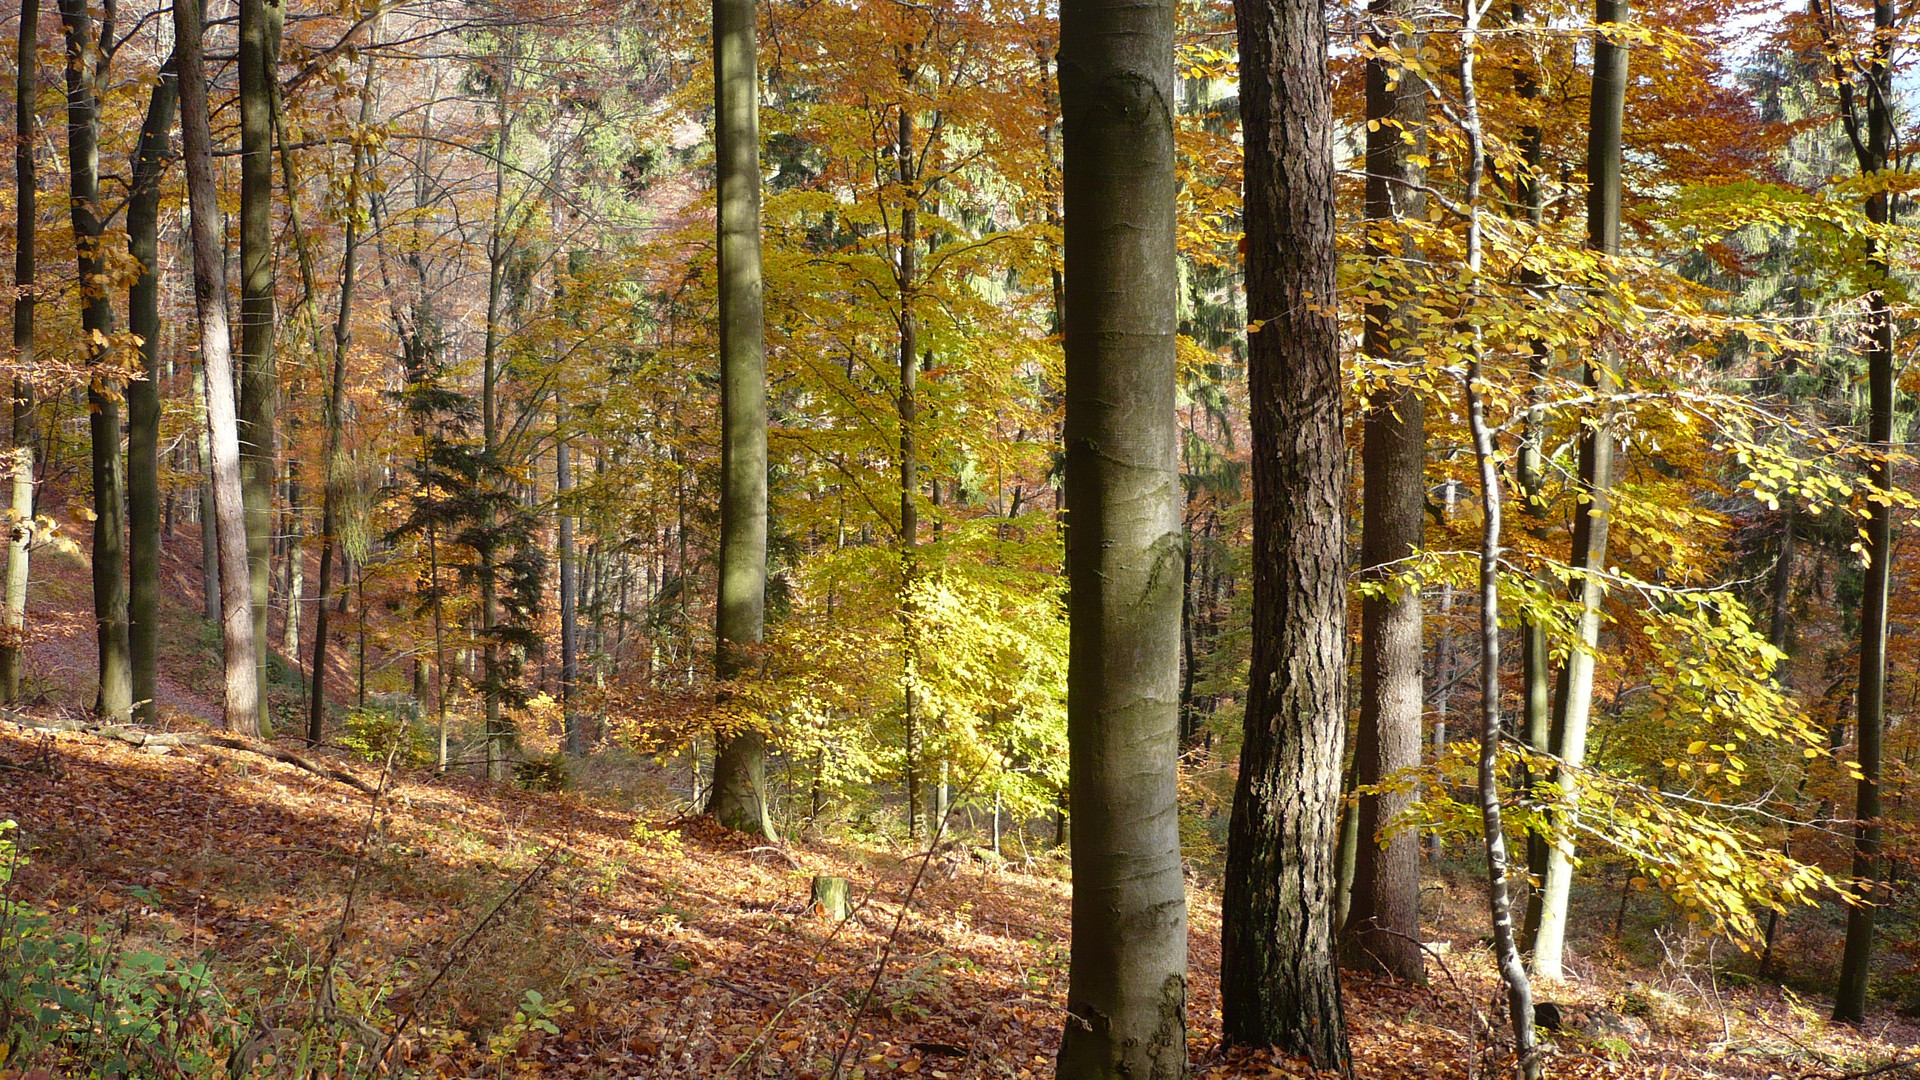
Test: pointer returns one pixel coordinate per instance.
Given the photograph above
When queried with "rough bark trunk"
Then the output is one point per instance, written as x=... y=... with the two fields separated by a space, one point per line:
x=25 y=297
x=1574 y=700
x=143 y=400
x=738 y=796
x=223 y=436
x=1279 y=983
x=1127 y=989
x=259 y=53
x=86 y=66
x=1850 y=998
x=1383 y=913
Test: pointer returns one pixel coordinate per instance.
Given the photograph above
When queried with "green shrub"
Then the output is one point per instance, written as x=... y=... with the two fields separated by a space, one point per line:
x=92 y=1006
x=371 y=733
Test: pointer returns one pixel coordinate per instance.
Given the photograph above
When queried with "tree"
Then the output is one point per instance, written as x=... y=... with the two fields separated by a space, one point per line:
x=223 y=436
x=20 y=448
x=260 y=28
x=143 y=398
x=1506 y=948
x=87 y=61
x=738 y=797
x=1573 y=700
x=1278 y=982
x=1871 y=154
x=332 y=466
x=1383 y=917
x=1127 y=990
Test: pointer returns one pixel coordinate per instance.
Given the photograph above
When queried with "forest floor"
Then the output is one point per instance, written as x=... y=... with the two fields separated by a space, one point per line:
x=485 y=930
x=681 y=950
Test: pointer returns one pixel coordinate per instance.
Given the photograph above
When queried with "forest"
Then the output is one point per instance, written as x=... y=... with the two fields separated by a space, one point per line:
x=836 y=539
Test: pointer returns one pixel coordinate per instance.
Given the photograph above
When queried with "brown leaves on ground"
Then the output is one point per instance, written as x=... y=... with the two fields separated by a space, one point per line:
x=682 y=950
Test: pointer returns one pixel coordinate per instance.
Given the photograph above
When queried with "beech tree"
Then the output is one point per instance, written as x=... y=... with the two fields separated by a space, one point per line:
x=242 y=712
x=21 y=438
x=738 y=797
x=261 y=23
x=1127 y=992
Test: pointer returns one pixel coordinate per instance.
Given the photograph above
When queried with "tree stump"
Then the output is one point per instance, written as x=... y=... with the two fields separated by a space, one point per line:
x=829 y=898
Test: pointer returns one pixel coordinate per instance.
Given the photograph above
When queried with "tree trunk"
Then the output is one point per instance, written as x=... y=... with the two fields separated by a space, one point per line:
x=1279 y=985
x=1383 y=915
x=499 y=249
x=1780 y=611
x=1535 y=646
x=260 y=25
x=223 y=436
x=1574 y=702
x=143 y=400
x=909 y=407
x=738 y=796
x=209 y=534
x=1506 y=950
x=86 y=67
x=1850 y=999
x=1127 y=989
x=295 y=564
x=332 y=466
x=569 y=630
x=25 y=296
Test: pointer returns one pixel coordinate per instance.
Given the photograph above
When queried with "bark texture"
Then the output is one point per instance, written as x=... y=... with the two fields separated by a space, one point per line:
x=86 y=67
x=210 y=303
x=331 y=466
x=1382 y=926
x=143 y=400
x=1127 y=991
x=260 y=26
x=1279 y=984
x=25 y=297
x=738 y=796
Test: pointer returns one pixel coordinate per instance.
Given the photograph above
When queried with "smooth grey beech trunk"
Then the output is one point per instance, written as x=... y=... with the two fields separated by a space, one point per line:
x=1382 y=924
x=143 y=399
x=223 y=437
x=259 y=54
x=25 y=297
x=86 y=69
x=1279 y=985
x=738 y=797
x=1573 y=700
x=1850 y=998
x=1127 y=988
